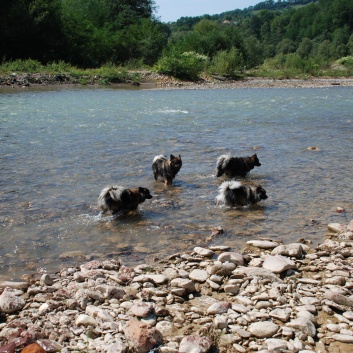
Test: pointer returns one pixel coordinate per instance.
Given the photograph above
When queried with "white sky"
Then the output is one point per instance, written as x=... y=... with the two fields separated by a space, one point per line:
x=172 y=10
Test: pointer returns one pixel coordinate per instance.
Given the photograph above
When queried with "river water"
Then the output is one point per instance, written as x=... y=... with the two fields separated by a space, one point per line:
x=60 y=147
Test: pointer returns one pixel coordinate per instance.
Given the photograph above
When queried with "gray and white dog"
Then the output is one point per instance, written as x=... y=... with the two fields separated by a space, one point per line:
x=236 y=166
x=115 y=198
x=234 y=193
x=166 y=169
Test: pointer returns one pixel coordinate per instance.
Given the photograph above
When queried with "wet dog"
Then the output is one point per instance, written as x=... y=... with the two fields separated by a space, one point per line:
x=116 y=198
x=166 y=169
x=236 y=166
x=234 y=193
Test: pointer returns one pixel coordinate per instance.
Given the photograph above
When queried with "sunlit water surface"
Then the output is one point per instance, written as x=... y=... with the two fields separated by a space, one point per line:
x=60 y=148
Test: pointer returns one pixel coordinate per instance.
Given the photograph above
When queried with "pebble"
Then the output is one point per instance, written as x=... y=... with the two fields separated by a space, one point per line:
x=299 y=299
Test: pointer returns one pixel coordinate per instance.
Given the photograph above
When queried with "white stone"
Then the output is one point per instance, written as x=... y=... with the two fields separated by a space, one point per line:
x=276 y=345
x=232 y=257
x=183 y=283
x=281 y=314
x=10 y=303
x=263 y=244
x=204 y=252
x=219 y=308
x=343 y=338
x=263 y=329
x=335 y=227
x=220 y=322
x=198 y=275
x=303 y=324
x=278 y=264
x=86 y=320
x=292 y=250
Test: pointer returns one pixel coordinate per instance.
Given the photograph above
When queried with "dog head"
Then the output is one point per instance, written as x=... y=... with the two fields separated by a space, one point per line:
x=175 y=163
x=255 y=161
x=145 y=193
x=261 y=192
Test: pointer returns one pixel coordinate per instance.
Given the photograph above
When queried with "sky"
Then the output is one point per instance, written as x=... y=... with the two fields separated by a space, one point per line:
x=172 y=10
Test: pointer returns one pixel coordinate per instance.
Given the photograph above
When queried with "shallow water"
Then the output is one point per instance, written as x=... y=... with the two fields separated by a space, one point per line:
x=60 y=148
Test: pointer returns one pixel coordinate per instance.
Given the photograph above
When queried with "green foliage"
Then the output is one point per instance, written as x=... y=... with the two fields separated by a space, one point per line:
x=346 y=61
x=187 y=65
x=227 y=62
x=20 y=65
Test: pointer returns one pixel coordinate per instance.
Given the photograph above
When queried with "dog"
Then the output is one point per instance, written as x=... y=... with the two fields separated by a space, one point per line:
x=236 y=166
x=165 y=168
x=116 y=198
x=234 y=193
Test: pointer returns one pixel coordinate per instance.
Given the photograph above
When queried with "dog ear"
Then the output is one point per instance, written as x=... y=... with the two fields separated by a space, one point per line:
x=171 y=156
x=179 y=156
x=259 y=188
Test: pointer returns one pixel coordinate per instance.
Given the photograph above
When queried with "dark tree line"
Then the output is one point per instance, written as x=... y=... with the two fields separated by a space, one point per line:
x=90 y=33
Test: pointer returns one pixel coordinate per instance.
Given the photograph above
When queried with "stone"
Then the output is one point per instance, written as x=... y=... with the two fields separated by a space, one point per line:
x=86 y=320
x=195 y=344
x=33 y=348
x=10 y=303
x=198 y=275
x=291 y=250
x=281 y=314
x=204 y=252
x=278 y=263
x=335 y=227
x=303 y=324
x=262 y=244
x=183 y=283
x=263 y=329
x=141 y=339
x=343 y=338
x=276 y=345
x=232 y=257
x=141 y=309
x=256 y=272
x=339 y=298
x=219 y=308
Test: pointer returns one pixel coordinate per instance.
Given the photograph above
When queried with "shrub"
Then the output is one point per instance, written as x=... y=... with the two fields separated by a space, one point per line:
x=188 y=65
x=227 y=62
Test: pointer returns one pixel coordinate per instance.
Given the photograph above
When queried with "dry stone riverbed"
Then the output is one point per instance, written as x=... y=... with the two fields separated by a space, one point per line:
x=270 y=297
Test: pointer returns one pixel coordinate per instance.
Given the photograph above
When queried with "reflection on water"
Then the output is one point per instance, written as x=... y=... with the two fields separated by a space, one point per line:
x=60 y=148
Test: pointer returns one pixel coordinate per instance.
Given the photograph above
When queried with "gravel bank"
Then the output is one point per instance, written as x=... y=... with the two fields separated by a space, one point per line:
x=151 y=80
x=269 y=297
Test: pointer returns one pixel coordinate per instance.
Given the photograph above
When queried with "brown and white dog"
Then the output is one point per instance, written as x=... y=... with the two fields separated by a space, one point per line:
x=234 y=193
x=166 y=169
x=236 y=166
x=116 y=198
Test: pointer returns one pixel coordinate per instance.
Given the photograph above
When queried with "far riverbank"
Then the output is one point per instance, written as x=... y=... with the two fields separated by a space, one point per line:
x=151 y=80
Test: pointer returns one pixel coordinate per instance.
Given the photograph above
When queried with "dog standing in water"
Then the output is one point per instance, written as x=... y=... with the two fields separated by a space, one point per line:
x=166 y=169
x=236 y=166
x=116 y=198
x=234 y=193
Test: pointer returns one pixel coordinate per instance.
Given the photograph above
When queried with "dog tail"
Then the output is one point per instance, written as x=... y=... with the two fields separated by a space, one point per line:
x=161 y=156
x=221 y=164
x=224 y=189
x=112 y=192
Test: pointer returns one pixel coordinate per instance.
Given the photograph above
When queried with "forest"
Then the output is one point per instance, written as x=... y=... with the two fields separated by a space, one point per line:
x=293 y=36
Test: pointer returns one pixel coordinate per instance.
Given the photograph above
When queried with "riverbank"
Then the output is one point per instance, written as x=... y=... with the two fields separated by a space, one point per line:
x=151 y=80
x=269 y=297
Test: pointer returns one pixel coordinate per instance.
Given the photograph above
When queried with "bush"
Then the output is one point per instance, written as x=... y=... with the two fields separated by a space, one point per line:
x=227 y=62
x=346 y=61
x=28 y=66
x=188 y=65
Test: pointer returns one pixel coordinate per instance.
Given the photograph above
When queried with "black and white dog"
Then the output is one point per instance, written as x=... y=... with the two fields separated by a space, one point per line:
x=116 y=198
x=234 y=193
x=236 y=166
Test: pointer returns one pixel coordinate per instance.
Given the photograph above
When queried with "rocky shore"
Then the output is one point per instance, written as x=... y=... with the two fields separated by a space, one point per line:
x=269 y=297
x=152 y=80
